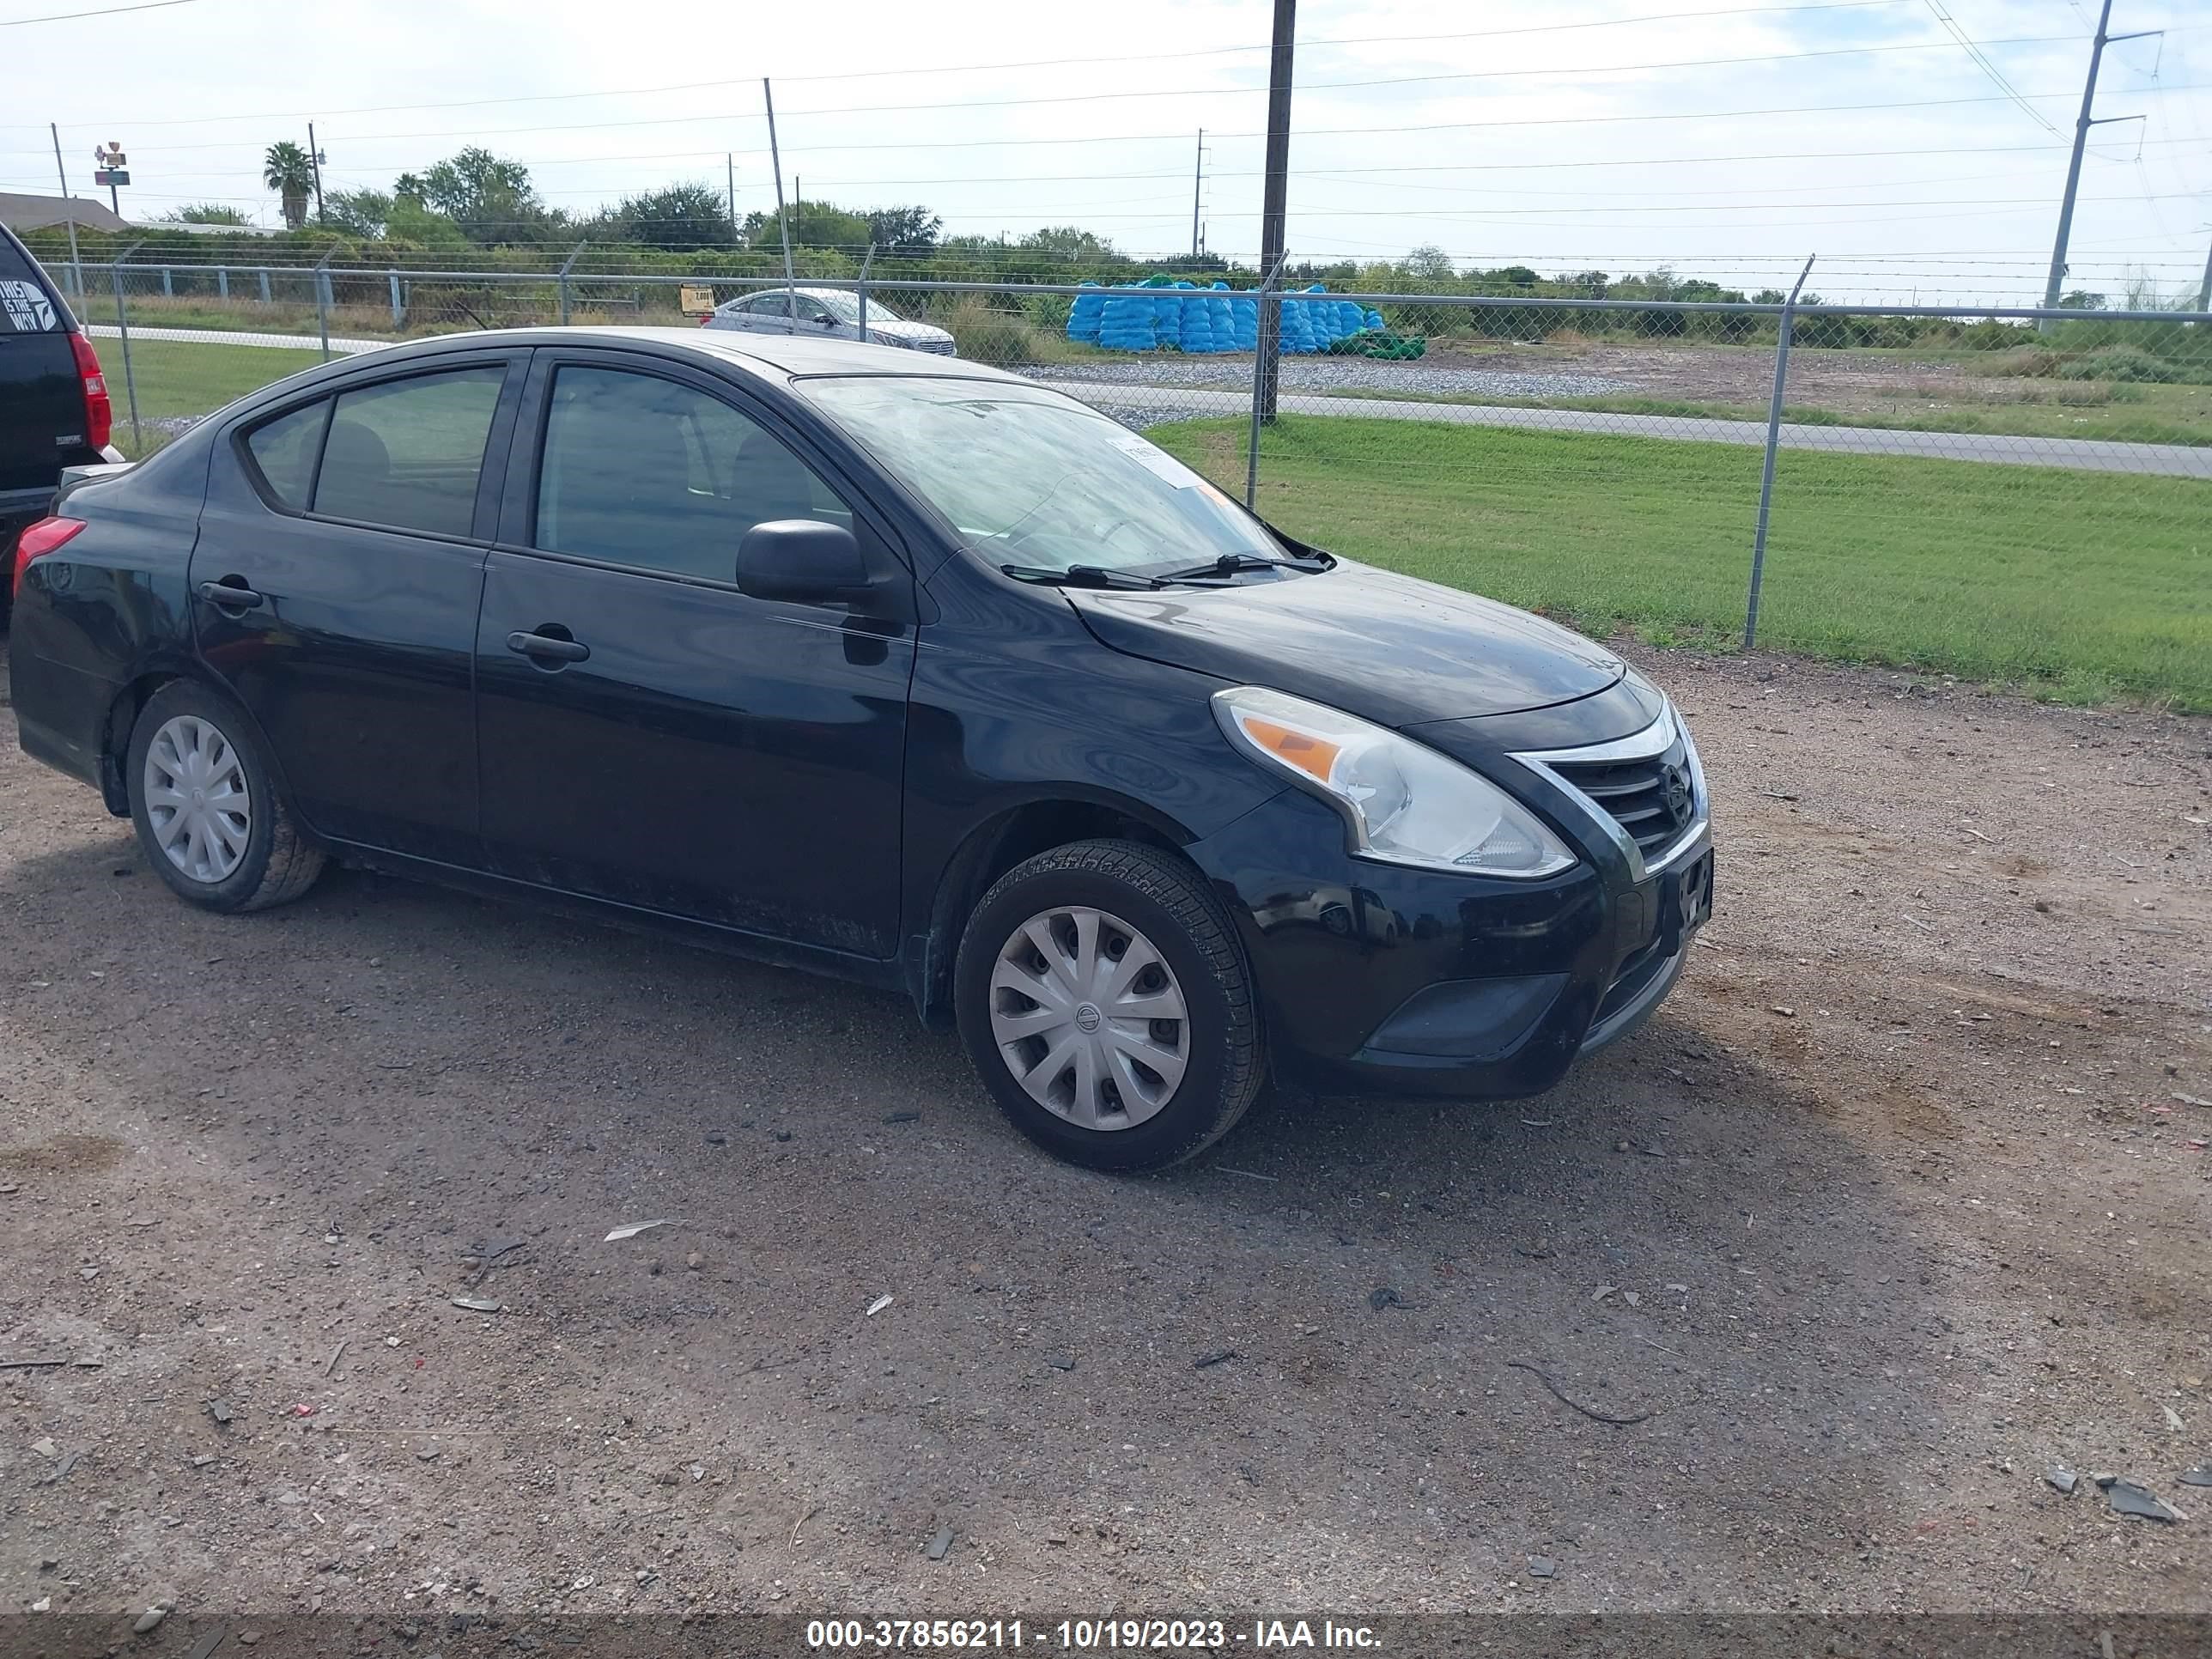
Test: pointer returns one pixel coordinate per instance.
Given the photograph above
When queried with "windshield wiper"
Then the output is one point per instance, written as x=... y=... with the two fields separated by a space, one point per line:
x=1229 y=564
x=1081 y=576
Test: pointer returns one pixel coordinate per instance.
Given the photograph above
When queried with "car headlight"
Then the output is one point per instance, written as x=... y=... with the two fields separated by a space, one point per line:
x=1407 y=803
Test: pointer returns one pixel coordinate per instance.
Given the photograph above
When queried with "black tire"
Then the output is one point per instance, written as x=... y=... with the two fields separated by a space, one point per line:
x=1166 y=900
x=279 y=863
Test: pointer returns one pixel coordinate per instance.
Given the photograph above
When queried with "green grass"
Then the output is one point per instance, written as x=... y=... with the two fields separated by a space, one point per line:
x=2075 y=586
x=184 y=377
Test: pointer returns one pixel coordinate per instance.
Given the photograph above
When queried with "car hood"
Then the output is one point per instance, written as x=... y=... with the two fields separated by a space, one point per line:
x=897 y=328
x=1384 y=646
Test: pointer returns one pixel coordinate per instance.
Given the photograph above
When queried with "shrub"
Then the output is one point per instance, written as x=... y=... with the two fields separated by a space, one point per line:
x=2123 y=363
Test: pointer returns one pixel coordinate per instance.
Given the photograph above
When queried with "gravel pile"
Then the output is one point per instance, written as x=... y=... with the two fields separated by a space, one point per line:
x=1328 y=374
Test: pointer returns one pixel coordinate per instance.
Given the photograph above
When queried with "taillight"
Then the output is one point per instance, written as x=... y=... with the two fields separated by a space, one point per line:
x=41 y=538
x=99 y=412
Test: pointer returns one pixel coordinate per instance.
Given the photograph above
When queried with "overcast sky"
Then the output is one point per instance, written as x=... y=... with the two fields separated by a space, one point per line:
x=1577 y=134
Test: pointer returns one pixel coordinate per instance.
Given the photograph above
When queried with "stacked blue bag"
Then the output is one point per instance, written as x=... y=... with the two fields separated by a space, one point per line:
x=1128 y=321
x=1156 y=315
x=1197 y=331
x=1083 y=317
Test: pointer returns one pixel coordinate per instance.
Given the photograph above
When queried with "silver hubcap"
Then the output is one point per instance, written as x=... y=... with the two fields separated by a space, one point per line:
x=1089 y=1017
x=197 y=799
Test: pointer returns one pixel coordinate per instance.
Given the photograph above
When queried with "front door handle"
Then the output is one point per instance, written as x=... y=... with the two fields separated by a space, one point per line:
x=231 y=595
x=547 y=649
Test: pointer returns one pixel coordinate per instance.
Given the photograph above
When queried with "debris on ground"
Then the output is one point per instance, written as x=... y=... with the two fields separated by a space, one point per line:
x=1207 y=1361
x=2199 y=1476
x=1602 y=1292
x=1061 y=1362
x=941 y=1543
x=1786 y=1014
x=1541 y=1566
x=880 y=1304
x=1595 y=1415
x=46 y=1449
x=903 y=1117
x=2128 y=1497
x=148 y=1619
x=1383 y=1297
x=219 y=1410
x=479 y=1305
x=2173 y=1419
x=2061 y=1478
x=632 y=1231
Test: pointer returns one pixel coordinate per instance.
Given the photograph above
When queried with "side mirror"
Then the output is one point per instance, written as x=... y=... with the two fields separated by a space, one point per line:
x=802 y=562
x=826 y=320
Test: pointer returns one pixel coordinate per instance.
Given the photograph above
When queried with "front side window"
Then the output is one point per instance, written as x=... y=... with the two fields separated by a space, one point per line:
x=406 y=454
x=1031 y=478
x=639 y=470
x=285 y=450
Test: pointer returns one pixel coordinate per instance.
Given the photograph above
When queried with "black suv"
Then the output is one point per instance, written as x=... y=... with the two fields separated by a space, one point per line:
x=54 y=412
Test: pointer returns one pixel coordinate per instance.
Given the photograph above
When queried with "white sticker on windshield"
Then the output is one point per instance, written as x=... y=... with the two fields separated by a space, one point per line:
x=1158 y=462
x=28 y=310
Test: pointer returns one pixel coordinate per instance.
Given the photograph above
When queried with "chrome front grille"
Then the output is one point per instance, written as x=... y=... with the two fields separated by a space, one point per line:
x=1645 y=788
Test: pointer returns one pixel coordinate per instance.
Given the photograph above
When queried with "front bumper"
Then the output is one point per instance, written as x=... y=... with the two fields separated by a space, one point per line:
x=1379 y=978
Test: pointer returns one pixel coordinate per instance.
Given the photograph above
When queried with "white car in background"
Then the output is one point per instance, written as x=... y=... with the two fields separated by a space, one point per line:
x=830 y=312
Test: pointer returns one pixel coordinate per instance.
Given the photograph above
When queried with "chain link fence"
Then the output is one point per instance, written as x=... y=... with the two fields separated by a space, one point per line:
x=2003 y=495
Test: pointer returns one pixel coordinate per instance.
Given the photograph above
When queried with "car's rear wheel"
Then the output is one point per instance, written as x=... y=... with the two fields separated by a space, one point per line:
x=207 y=808
x=1103 y=995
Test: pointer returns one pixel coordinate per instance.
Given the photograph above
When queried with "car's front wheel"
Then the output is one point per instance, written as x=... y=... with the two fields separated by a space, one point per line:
x=1104 y=994
x=207 y=808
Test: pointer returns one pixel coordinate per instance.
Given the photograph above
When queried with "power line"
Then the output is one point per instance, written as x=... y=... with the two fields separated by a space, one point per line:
x=104 y=11
x=1035 y=63
x=1988 y=69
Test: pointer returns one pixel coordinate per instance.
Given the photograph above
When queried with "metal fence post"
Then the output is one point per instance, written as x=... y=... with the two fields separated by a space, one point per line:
x=168 y=286
x=265 y=284
x=123 y=328
x=222 y=283
x=1262 y=340
x=398 y=305
x=1773 y=441
x=566 y=267
x=868 y=259
x=323 y=303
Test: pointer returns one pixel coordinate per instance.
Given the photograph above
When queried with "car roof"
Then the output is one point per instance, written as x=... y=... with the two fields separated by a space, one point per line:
x=770 y=356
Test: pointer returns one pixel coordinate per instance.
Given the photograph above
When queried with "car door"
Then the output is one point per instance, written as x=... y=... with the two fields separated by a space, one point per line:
x=335 y=586
x=648 y=734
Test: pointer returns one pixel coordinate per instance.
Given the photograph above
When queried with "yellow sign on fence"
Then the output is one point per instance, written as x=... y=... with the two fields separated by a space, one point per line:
x=696 y=301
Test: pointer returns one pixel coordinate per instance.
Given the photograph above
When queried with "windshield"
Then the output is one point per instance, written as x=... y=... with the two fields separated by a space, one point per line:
x=1036 y=479
x=845 y=307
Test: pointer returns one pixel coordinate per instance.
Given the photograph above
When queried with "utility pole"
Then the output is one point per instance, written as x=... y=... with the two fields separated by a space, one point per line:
x=2081 y=125
x=2203 y=293
x=730 y=162
x=783 y=219
x=1275 y=200
x=1197 y=185
x=76 y=265
x=315 y=160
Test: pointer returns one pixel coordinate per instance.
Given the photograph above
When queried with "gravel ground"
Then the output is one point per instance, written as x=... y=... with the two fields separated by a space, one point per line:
x=1900 y=1202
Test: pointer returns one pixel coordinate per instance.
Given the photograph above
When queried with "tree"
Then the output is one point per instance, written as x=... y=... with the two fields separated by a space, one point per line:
x=363 y=213
x=813 y=224
x=286 y=169
x=2082 y=299
x=1431 y=265
x=492 y=200
x=905 y=230
x=205 y=213
x=681 y=218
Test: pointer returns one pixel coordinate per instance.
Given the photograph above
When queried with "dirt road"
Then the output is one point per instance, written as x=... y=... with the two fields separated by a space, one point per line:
x=1900 y=1201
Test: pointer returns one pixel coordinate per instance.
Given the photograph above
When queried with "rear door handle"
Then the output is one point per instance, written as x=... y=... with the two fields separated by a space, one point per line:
x=231 y=596
x=547 y=649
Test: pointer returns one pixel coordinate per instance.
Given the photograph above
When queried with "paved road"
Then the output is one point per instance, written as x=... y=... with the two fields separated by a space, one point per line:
x=226 y=336
x=1154 y=403
x=2089 y=455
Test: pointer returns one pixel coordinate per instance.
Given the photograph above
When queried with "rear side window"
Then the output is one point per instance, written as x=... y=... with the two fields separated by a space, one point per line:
x=285 y=450
x=25 y=306
x=407 y=454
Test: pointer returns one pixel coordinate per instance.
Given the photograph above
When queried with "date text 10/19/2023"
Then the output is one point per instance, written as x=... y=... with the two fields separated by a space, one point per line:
x=1085 y=1635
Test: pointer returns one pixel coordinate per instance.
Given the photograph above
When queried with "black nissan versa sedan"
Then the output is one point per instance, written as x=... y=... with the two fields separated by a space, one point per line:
x=921 y=675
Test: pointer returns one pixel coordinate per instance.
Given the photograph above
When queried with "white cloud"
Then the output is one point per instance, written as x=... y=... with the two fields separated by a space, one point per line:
x=1657 y=173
